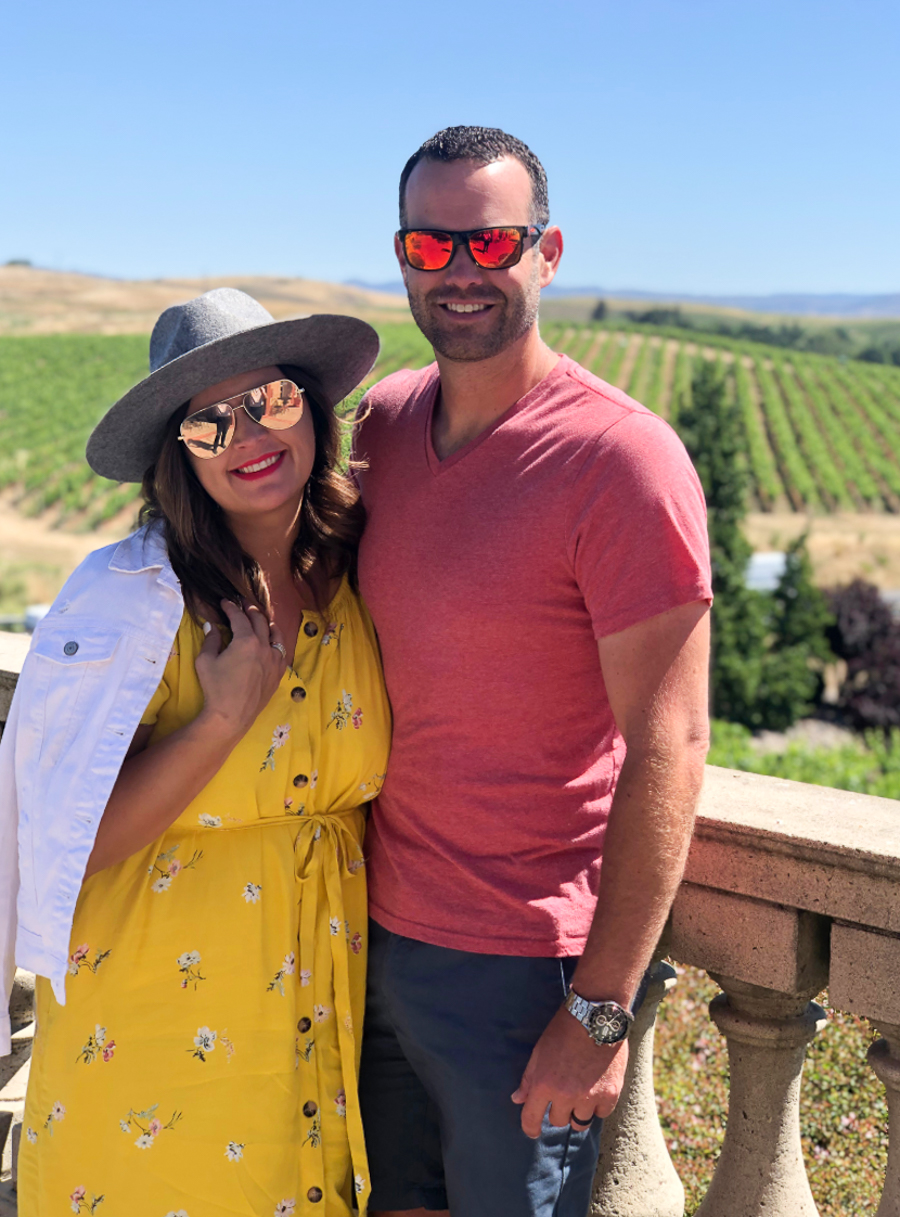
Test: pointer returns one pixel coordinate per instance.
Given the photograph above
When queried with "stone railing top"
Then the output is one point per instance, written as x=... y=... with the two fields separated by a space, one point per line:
x=828 y=851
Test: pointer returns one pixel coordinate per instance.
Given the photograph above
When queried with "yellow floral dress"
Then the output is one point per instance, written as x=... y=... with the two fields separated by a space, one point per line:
x=205 y=1061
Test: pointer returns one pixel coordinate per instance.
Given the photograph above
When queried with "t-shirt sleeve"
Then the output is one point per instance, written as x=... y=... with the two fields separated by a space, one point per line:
x=637 y=537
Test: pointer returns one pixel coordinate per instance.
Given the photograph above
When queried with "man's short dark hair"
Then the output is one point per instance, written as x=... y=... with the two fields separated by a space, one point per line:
x=484 y=145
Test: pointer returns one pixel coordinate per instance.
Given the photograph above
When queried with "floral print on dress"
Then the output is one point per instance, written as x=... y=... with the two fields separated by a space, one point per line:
x=79 y=959
x=252 y=892
x=314 y=779
x=234 y=1151
x=167 y=867
x=97 y=1045
x=314 y=1132
x=177 y=1213
x=204 y=1043
x=288 y=967
x=333 y=632
x=340 y=715
x=189 y=967
x=208 y=821
x=320 y=1013
x=79 y=1203
x=372 y=788
x=57 y=1113
x=148 y=1125
x=31 y=1135
x=285 y=1208
x=340 y=1103
x=359 y=1184
x=356 y=943
x=356 y=718
x=280 y=737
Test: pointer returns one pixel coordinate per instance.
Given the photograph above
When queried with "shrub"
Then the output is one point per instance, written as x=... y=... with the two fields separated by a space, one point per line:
x=866 y=636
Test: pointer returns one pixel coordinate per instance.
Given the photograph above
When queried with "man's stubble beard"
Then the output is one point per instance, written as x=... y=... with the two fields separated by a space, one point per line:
x=512 y=319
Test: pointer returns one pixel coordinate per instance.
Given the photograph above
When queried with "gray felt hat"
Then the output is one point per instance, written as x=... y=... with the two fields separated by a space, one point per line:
x=211 y=338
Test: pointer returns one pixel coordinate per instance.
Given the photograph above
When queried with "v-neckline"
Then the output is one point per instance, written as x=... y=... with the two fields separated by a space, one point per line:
x=439 y=466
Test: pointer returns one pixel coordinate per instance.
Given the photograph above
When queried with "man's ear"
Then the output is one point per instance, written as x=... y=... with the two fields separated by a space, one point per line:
x=551 y=248
x=401 y=258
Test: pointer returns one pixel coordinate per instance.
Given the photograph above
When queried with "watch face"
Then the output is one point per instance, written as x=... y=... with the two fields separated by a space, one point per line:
x=609 y=1024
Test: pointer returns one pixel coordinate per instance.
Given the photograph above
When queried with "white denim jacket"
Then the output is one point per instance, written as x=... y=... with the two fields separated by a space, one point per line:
x=95 y=661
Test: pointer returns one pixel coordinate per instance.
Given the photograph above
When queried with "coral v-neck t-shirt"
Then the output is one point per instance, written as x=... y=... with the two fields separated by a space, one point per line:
x=490 y=575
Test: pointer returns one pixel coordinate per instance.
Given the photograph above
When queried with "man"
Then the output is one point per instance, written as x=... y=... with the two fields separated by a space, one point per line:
x=537 y=568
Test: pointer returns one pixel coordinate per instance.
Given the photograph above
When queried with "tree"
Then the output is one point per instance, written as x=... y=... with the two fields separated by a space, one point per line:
x=599 y=313
x=766 y=648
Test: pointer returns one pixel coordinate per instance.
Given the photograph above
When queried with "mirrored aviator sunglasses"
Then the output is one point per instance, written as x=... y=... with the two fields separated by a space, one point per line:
x=276 y=406
x=489 y=248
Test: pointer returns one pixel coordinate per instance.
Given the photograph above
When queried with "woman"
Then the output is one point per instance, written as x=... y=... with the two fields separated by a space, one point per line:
x=197 y=1040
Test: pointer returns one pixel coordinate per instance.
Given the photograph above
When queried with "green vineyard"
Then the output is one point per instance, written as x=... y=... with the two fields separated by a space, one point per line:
x=820 y=433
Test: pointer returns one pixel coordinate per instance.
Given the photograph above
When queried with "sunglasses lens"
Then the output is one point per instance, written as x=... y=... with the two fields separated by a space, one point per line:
x=277 y=405
x=428 y=250
x=208 y=432
x=494 y=248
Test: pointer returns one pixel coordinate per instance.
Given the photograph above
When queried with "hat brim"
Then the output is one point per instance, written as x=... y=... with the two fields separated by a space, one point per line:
x=336 y=352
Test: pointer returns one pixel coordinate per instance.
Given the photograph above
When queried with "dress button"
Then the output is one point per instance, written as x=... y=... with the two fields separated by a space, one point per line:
x=298 y=694
x=310 y=629
x=301 y=780
x=70 y=648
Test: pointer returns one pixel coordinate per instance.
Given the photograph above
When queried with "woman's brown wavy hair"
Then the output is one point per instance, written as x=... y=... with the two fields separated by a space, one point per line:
x=204 y=552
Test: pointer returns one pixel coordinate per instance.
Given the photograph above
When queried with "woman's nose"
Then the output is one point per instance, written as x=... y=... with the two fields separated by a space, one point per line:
x=245 y=429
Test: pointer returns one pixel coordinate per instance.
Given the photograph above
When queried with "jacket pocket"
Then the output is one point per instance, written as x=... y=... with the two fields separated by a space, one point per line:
x=68 y=665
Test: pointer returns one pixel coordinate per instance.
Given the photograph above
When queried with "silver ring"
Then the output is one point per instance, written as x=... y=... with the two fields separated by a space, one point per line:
x=279 y=646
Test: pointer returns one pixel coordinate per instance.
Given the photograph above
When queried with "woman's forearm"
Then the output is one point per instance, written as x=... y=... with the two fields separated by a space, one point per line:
x=156 y=785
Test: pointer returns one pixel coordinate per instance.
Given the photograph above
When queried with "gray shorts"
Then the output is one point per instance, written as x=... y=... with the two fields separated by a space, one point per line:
x=446 y=1040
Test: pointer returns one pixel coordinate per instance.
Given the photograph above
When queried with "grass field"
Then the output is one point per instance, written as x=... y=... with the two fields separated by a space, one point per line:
x=820 y=433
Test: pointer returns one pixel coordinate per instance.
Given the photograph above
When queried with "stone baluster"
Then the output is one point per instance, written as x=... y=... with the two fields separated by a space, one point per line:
x=760 y=1169
x=884 y=1057
x=635 y=1176
x=769 y=960
x=864 y=968
x=14 y=1070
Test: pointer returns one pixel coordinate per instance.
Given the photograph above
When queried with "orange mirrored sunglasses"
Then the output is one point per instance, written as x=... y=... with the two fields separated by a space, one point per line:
x=489 y=248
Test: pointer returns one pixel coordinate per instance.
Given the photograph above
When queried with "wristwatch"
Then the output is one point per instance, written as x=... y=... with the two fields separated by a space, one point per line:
x=606 y=1022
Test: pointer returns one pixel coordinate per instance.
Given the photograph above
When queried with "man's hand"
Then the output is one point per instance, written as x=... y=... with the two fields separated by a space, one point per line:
x=571 y=1073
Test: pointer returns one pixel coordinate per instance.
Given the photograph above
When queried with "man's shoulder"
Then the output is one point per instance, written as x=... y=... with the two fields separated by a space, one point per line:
x=390 y=396
x=595 y=401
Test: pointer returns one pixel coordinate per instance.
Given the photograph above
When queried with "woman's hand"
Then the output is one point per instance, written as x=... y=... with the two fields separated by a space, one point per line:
x=240 y=681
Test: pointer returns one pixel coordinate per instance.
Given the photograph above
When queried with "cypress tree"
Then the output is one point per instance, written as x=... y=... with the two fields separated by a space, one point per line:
x=766 y=648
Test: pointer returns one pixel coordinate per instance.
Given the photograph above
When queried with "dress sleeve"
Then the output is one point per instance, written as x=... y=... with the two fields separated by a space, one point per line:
x=637 y=537
x=164 y=689
x=157 y=701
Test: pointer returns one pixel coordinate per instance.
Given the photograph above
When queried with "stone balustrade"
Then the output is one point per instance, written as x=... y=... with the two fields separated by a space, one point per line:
x=789 y=888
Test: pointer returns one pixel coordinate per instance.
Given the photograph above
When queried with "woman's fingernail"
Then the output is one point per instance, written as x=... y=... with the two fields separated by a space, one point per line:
x=206 y=627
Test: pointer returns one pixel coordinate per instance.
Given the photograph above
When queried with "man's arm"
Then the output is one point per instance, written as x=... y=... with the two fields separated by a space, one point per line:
x=656 y=675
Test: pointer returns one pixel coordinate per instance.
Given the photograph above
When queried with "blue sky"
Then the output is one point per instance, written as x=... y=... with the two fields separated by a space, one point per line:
x=691 y=145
